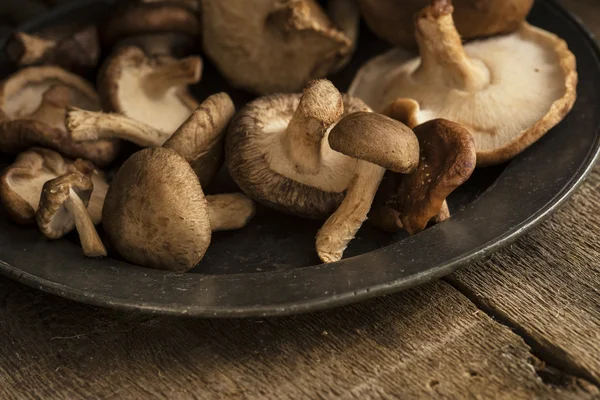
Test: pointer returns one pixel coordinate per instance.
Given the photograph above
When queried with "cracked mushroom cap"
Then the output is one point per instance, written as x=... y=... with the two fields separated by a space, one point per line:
x=46 y=127
x=277 y=151
x=392 y=20
x=63 y=207
x=507 y=91
x=155 y=212
x=447 y=161
x=271 y=46
x=154 y=20
x=21 y=183
x=150 y=90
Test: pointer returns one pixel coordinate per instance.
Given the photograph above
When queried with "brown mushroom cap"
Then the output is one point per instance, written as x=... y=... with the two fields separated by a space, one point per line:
x=22 y=93
x=46 y=127
x=271 y=46
x=507 y=91
x=153 y=91
x=278 y=154
x=76 y=50
x=377 y=139
x=21 y=183
x=143 y=18
x=448 y=159
x=155 y=212
x=392 y=20
x=200 y=139
x=62 y=207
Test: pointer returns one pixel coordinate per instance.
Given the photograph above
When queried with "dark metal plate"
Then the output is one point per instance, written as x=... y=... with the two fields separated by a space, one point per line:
x=270 y=268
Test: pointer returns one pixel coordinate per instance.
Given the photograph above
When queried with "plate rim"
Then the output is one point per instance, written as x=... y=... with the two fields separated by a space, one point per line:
x=327 y=302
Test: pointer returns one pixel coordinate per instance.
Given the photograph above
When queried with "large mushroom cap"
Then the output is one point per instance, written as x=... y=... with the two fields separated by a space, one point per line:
x=150 y=90
x=271 y=46
x=21 y=183
x=507 y=91
x=146 y=18
x=45 y=126
x=392 y=20
x=22 y=93
x=155 y=212
x=268 y=167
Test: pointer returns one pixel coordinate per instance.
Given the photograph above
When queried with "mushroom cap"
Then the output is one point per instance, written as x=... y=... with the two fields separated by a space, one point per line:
x=73 y=47
x=392 y=20
x=121 y=89
x=22 y=92
x=259 y=165
x=377 y=139
x=47 y=129
x=448 y=159
x=200 y=139
x=533 y=86
x=21 y=183
x=155 y=212
x=271 y=46
x=142 y=18
x=53 y=218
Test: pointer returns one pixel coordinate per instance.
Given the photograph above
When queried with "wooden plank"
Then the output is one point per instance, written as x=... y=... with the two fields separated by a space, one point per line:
x=548 y=284
x=429 y=342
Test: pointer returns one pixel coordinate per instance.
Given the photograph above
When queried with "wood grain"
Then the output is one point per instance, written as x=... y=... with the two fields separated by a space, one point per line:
x=548 y=284
x=429 y=342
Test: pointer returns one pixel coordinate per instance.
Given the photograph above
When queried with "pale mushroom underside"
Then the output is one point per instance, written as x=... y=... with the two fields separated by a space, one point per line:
x=165 y=113
x=531 y=77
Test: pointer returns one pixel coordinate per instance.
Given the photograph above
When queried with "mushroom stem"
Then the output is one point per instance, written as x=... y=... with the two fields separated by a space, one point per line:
x=90 y=241
x=25 y=49
x=182 y=72
x=53 y=107
x=342 y=225
x=91 y=125
x=229 y=211
x=320 y=106
x=442 y=52
x=444 y=213
x=403 y=110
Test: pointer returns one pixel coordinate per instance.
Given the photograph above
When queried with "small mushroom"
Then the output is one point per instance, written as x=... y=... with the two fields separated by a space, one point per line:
x=150 y=90
x=392 y=20
x=447 y=160
x=379 y=143
x=156 y=214
x=63 y=206
x=271 y=46
x=34 y=102
x=199 y=139
x=277 y=151
x=507 y=91
x=159 y=28
x=22 y=182
x=76 y=50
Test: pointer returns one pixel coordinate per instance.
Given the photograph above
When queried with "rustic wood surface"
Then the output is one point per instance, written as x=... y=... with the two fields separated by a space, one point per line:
x=523 y=324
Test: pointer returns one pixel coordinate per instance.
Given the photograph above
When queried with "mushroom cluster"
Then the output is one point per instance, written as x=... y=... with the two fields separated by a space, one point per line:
x=129 y=160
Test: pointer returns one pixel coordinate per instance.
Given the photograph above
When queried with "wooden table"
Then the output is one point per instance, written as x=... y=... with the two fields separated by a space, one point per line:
x=523 y=324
